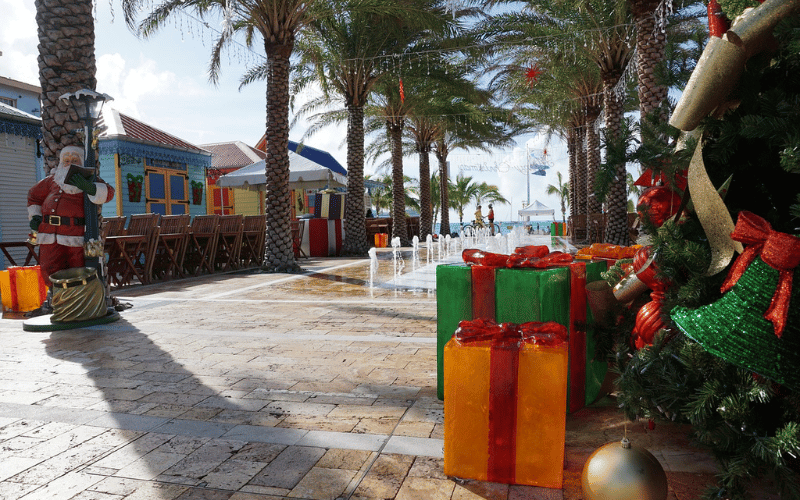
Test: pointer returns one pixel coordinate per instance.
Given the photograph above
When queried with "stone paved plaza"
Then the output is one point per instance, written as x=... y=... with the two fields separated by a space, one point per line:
x=252 y=386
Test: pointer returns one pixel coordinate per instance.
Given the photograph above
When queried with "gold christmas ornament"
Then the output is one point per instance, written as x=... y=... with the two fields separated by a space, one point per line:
x=620 y=471
x=629 y=288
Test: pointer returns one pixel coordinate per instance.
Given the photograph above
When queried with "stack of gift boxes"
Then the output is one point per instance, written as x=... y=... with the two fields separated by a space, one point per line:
x=506 y=401
x=325 y=232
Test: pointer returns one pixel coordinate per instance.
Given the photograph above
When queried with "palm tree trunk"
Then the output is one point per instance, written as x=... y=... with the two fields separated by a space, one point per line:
x=425 y=215
x=398 y=188
x=593 y=204
x=573 y=170
x=355 y=242
x=650 y=45
x=441 y=156
x=66 y=64
x=617 y=216
x=279 y=250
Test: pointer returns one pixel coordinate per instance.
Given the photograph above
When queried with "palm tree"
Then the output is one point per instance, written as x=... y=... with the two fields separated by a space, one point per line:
x=462 y=193
x=279 y=23
x=562 y=191
x=66 y=64
x=343 y=54
x=488 y=193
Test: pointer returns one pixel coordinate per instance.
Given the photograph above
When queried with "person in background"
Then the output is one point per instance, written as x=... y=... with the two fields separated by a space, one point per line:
x=491 y=219
x=479 y=217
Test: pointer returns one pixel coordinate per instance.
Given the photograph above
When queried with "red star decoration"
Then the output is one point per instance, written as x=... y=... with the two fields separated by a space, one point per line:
x=532 y=74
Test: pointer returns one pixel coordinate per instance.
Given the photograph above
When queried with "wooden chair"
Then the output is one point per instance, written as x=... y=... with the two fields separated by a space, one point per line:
x=597 y=227
x=201 y=245
x=131 y=254
x=31 y=255
x=298 y=228
x=254 y=234
x=170 y=247
x=229 y=242
x=577 y=225
x=412 y=227
x=113 y=226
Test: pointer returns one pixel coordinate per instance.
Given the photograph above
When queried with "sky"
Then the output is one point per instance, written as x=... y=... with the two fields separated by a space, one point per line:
x=163 y=81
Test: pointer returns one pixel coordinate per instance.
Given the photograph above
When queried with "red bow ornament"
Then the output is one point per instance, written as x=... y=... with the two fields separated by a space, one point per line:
x=780 y=251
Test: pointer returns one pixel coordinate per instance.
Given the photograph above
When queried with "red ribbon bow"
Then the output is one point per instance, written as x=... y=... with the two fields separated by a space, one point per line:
x=780 y=251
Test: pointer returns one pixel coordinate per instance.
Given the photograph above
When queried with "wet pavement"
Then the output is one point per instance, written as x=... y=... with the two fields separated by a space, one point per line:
x=247 y=386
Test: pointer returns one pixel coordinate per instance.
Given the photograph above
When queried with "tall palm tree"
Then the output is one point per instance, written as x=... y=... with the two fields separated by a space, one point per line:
x=279 y=23
x=562 y=191
x=343 y=54
x=66 y=64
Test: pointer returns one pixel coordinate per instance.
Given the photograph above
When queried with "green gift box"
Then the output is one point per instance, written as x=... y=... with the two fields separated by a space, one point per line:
x=521 y=295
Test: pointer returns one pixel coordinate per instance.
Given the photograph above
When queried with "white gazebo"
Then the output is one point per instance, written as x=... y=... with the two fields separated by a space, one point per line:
x=536 y=209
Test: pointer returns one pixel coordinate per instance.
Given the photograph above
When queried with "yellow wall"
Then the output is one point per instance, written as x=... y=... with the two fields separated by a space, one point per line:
x=247 y=202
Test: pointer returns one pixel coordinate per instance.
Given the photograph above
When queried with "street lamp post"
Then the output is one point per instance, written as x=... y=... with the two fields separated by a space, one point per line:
x=88 y=104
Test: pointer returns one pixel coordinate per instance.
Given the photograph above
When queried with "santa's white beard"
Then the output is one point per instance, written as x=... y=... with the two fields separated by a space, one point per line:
x=59 y=175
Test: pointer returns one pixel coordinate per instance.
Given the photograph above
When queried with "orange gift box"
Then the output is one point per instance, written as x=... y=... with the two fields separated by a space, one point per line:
x=22 y=289
x=504 y=418
x=381 y=240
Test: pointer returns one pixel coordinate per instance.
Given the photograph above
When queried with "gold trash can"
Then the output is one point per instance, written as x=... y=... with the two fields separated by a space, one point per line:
x=77 y=295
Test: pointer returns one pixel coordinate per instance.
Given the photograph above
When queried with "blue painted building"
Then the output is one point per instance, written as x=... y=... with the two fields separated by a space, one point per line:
x=21 y=166
x=151 y=170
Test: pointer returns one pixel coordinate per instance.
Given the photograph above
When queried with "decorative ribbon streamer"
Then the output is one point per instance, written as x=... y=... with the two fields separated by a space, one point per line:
x=713 y=215
x=780 y=251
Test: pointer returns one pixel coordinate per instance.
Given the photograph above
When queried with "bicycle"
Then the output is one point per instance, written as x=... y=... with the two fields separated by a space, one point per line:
x=471 y=230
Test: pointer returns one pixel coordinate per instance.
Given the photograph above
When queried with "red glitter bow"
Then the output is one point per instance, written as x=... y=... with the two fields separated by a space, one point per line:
x=780 y=251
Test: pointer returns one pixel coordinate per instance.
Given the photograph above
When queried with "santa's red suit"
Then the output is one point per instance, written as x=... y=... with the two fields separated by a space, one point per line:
x=63 y=225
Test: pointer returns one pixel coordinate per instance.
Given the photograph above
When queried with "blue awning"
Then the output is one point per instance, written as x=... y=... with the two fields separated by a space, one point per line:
x=317 y=156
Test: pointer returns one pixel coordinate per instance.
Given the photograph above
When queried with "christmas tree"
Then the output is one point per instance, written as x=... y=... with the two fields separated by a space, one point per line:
x=729 y=362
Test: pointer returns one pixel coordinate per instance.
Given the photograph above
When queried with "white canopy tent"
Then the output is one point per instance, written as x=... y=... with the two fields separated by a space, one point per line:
x=303 y=174
x=536 y=209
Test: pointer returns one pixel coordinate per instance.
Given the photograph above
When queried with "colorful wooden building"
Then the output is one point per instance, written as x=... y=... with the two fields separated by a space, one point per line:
x=151 y=170
x=226 y=158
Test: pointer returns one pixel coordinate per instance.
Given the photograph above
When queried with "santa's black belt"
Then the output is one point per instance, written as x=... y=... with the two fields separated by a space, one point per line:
x=57 y=220
x=76 y=282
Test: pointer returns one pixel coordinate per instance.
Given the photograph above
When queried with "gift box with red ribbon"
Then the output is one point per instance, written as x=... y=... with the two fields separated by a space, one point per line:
x=521 y=295
x=329 y=205
x=22 y=288
x=505 y=392
x=322 y=237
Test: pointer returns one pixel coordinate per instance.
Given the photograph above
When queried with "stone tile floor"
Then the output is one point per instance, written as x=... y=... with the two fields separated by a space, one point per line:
x=251 y=386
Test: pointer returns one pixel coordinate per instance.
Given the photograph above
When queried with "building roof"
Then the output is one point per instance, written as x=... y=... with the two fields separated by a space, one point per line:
x=8 y=82
x=12 y=113
x=122 y=126
x=233 y=154
x=316 y=155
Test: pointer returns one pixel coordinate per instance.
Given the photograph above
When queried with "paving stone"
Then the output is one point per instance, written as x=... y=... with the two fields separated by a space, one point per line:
x=344 y=459
x=289 y=467
x=422 y=487
x=232 y=474
x=476 y=490
x=323 y=484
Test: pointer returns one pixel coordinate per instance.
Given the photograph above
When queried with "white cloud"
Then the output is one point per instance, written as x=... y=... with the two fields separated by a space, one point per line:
x=19 y=41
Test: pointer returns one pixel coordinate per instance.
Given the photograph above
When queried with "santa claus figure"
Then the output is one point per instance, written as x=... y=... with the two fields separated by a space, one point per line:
x=55 y=209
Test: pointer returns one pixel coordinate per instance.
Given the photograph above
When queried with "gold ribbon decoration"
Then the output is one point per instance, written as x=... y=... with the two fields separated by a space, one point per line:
x=712 y=214
x=722 y=63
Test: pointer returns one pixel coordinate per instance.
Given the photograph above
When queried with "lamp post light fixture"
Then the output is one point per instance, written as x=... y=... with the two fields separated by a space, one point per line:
x=88 y=104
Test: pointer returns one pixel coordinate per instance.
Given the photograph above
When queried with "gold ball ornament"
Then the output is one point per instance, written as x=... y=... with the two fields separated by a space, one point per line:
x=620 y=471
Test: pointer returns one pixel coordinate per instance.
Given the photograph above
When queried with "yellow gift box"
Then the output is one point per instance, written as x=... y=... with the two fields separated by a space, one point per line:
x=504 y=410
x=22 y=289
